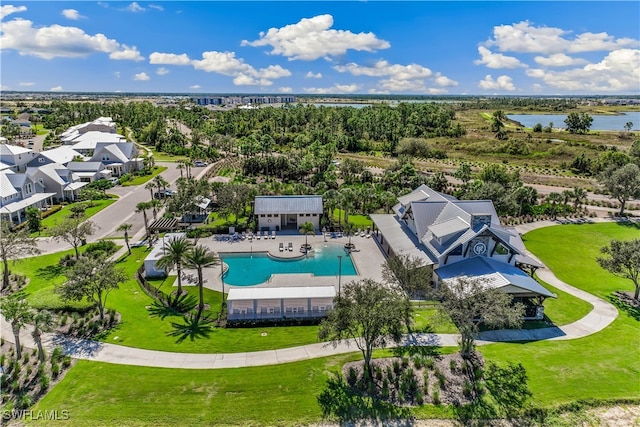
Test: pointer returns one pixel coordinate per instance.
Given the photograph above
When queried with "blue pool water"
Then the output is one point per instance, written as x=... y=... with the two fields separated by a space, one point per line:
x=247 y=269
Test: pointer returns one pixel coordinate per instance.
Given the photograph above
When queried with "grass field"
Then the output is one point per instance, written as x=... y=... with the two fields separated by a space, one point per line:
x=139 y=180
x=601 y=366
x=61 y=215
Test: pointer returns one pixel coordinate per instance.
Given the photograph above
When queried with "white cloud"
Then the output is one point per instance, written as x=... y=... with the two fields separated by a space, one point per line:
x=72 y=14
x=382 y=68
x=117 y=74
x=285 y=89
x=9 y=9
x=335 y=89
x=395 y=85
x=313 y=38
x=501 y=83
x=559 y=60
x=56 y=89
x=227 y=64
x=162 y=71
x=60 y=41
x=141 y=77
x=127 y=53
x=156 y=7
x=159 y=58
x=496 y=60
x=26 y=84
x=194 y=87
x=444 y=81
x=311 y=75
x=135 y=7
x=618 y=71
x=526 y=38
x=374 y=91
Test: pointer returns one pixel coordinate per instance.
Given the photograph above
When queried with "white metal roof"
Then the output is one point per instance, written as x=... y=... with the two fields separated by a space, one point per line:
x=288 y=204
x=252 y=293
x=399 y=237
x=25 y=203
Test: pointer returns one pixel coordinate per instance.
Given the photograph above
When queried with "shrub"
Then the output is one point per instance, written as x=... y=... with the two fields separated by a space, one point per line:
x=24 y=401
x=419 y=398
x=352 y=377
x=436 y=397
x=107 y=247
x=55 y=370
x=66 y=361
x=453 y=365
x=44 y=382
x=56 y=355
x=2 y=358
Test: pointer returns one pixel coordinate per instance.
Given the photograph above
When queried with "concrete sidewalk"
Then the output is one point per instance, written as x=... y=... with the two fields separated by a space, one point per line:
x=602 y=314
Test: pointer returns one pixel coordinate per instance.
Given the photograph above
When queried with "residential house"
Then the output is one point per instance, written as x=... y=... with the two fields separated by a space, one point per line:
x=101 y=124
x=15 y=157
x=119 y=158
x=58 y=179
x=86 y=143
x=18 y=192
x=277 y=213
x=89 y=171
x=61 y=155
x=461 y=238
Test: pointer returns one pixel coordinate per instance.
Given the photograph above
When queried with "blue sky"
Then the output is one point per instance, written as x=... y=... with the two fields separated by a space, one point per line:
x=322 y=47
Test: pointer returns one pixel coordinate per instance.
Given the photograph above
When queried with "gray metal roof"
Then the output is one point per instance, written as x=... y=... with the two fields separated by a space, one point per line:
x=449 y=227
x=494 y=273
x=422 y=193
x=400 y=238
x=288 y=205
x=85 y=166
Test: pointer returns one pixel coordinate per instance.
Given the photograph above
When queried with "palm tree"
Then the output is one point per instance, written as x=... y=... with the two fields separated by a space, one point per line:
x=150 y=186
x=43 y=321
x=16 y=310
x=180 y=168
x=126 y=227
x=347 y=196
x=160 y=182
x=554 y=199
x=200 y=257
x=175 y=254
x=348 y=228
x=307 y=229
x=155 y=204
x=579 y=196
x=142 y=207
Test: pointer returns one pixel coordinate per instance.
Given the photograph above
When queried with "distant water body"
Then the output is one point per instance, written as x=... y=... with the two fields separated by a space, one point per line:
x=600 y=122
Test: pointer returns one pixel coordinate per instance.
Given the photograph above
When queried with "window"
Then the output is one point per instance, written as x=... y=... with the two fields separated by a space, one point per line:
x=105 y=158
x=27 y=188
x=456 y=251
x=40 y=159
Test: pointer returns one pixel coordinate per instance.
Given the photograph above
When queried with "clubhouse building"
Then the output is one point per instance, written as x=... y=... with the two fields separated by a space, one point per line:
x=461 y=238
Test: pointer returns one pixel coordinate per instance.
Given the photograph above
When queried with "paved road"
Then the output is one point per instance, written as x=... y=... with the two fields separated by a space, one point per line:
x=602 y=314
x=123 y=210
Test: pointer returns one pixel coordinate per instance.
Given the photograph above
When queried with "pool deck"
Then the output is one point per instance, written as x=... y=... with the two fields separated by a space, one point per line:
x=367 y=258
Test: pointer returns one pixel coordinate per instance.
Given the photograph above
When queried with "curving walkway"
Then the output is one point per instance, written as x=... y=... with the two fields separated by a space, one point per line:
x=602 y=314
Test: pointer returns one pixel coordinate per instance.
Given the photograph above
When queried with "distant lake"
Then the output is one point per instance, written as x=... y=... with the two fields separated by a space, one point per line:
x=600 y=122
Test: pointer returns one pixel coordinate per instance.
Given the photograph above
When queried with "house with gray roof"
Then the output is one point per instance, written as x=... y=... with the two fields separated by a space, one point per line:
x=461 y=238
x=119 y=158
x=15 y=157
x=89 y=171
x=18 y=192
x=58 y=179
x=278 y=213
x=59 y=155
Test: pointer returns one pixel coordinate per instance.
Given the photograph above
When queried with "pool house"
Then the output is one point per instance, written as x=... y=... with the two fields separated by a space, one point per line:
x=279 y=303
x=287 y=213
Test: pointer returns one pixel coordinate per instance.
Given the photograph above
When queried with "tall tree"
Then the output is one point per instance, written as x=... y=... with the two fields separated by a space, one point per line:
x=470 y=303
x=411 y=273
x=142 y=207
x=199 y=258
x=554 y=198
x=370 y=313
x=622 y=183
x=578 y=122
x=579 y=197
x=623 y=260
x=34 y=219
x=16 y=310
x=125 y=227
x=43 y=321
x=93 y=279
x=150 y=186
x=175 y=253
x=74 y=231
x=14 y=245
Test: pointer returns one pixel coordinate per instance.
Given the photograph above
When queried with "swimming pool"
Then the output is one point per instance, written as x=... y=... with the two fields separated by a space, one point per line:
x=246 y=269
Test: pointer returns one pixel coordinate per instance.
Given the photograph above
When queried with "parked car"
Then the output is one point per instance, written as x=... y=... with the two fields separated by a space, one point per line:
x=199 y=163
x=163 y=194
x=114 y=180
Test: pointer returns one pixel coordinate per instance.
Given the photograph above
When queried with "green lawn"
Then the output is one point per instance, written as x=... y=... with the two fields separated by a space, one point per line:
x=358 y=221
x=601 y=366
x=63 y=214
x=566 y=308
x=139 y=180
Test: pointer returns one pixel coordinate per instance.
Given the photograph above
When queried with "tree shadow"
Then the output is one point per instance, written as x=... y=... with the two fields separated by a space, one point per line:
x=176 y=305
x=623 y=305
x=50 y=272
x=194 y=326
x=411 y=350
x=339 y=400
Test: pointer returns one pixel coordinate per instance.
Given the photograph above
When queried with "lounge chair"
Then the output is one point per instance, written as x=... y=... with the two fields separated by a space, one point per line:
x=257 y=235
x=290 y=246
x=273 y=234
x=265 y=234
x=281 y=246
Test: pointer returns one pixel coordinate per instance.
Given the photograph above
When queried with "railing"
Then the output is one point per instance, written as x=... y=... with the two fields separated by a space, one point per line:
x=150 y=290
